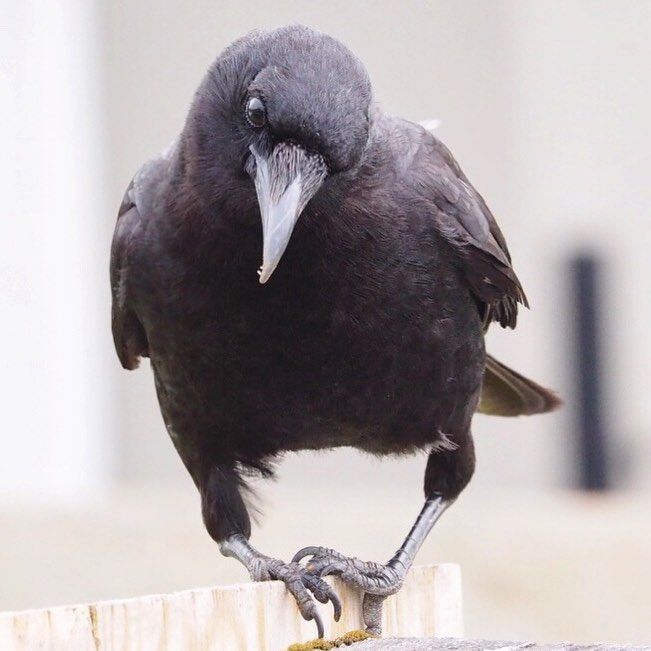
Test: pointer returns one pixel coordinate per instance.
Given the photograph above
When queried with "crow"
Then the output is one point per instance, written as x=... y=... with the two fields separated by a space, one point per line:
x=365 y=330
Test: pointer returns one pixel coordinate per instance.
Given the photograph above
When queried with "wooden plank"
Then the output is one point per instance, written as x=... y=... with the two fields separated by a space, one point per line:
x=257 y=616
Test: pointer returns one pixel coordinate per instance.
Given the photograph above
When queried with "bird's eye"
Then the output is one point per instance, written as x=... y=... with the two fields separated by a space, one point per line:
x=256 y=114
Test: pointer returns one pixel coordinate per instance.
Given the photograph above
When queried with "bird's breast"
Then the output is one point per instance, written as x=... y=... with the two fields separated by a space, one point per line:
x=345 y=345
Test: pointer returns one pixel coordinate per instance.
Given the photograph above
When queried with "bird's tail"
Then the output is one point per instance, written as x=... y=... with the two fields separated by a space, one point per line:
x=507 y=393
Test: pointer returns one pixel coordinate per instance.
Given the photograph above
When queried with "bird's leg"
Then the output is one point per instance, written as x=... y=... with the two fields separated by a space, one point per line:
x=447 y=473
x=227 y=521
x=376 y=580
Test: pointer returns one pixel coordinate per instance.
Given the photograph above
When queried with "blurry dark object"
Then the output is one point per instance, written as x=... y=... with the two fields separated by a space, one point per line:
x=593 y=459
x=370 y=333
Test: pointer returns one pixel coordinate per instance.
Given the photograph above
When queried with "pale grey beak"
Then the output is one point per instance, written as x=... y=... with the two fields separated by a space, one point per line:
x=284 y=181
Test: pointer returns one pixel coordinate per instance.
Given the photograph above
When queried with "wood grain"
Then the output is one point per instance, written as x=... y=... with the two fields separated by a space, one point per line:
x=255 y=616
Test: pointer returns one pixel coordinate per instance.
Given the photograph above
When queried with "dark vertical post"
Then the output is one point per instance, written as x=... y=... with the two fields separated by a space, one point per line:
x=592 y=445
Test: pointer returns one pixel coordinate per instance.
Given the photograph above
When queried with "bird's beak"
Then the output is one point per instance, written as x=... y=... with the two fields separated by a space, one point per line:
x=285 y=181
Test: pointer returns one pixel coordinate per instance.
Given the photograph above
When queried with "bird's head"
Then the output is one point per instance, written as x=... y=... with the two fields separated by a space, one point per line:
x=285 y=110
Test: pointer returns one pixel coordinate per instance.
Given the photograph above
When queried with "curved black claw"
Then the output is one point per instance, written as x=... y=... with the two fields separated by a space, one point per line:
x=302 y=584
x=322 y=591
x=372 y=578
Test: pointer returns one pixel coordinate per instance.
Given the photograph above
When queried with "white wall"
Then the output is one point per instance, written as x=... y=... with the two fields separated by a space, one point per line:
x=54 y=415
x=582 y=159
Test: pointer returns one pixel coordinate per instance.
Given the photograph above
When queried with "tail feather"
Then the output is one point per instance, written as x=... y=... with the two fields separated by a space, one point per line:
x=507 y=393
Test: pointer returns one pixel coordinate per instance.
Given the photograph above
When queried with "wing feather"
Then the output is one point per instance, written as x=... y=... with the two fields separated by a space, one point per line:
x=128 y=333
x=467 y=224
x=144 y=197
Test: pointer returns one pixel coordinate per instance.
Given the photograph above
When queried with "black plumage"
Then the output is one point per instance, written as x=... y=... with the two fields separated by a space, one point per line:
x=369 y=333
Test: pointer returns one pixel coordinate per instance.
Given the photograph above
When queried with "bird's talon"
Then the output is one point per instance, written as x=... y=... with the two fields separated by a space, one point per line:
x=303 y=585
x=322 y=591
x=320 y=632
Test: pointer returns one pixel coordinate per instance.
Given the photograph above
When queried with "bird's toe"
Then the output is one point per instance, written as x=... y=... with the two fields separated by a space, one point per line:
x=372 y=578
x=322 y=591
x=304 y=585
x=315 y=552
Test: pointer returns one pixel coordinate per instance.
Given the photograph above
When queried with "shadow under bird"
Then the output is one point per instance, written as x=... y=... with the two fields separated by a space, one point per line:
x=382 y=268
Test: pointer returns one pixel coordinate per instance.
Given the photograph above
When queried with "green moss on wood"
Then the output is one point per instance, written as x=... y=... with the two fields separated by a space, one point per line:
x=326 y=645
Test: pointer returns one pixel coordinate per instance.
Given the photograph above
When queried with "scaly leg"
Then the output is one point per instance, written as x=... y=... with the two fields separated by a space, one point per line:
x=447 y=473
x=378 y=581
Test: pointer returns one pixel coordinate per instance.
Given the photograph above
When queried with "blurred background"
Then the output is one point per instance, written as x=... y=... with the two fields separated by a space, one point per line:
x=546 y=106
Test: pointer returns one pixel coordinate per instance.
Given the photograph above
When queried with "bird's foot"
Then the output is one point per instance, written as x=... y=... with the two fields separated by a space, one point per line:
x=373 y=578
x=376 y=580
x=301 y=583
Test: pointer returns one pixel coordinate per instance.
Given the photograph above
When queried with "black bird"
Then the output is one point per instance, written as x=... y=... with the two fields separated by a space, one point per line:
x=366 y=329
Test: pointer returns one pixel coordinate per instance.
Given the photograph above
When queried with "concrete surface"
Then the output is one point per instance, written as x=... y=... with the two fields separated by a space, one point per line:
x=453 y=644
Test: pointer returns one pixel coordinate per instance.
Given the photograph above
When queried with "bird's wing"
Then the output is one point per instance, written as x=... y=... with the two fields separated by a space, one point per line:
x=467 y=224
x=143 y=197
x=128 y=334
